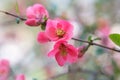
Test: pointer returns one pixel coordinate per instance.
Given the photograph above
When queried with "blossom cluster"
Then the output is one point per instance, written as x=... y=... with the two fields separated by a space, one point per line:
x=54 y=30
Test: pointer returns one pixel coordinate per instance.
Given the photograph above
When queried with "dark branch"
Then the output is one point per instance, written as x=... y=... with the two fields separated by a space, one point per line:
x=81 y=71
x=92 y=43
x=16 y=16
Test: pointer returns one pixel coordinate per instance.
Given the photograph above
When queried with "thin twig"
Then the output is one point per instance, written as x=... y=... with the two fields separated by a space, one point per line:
x=7 y=13
x=92 y=43
x=81 y=71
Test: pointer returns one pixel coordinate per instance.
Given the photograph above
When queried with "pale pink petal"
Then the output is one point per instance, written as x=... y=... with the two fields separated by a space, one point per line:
x=40 y=9
x=20 y=77
x=42 y=38
x=51 y=30
x=53 y=52
x=31 y=22
x=30 y=13
x=67 y=26
x=59 y=59
x=4 y=62
x=51 y=23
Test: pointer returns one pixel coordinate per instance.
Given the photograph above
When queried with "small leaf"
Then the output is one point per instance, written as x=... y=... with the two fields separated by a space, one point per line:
x=90 y=38
x=42 y=27
x=17 y=8
x=96 y=39
x=115 y=38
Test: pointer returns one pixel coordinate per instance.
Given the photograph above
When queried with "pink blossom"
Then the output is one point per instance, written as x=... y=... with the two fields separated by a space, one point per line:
x=36 y=15
x=80 y=49
x=64 y=52
x=59 y=29
x=20 y=77
x=4 y=69
x=104 y=31
x=42 y=38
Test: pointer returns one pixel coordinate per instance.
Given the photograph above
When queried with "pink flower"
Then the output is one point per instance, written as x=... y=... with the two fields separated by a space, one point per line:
x=103 y=27
x=4 y=69
x=103 y=31
x=64 y=52
x=20 y=77
x=58 y=29
x=80 y=49
x=42 y=38
x=36 y=15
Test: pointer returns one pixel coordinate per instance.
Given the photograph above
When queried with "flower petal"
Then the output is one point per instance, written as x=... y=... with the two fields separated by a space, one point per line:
x=53 y=52
x=30 y=13
x=20 y=77
x=42 y=38
x=59 y=59
x=31 y=22
x=40 y=9
x=51 y=30
x=72 y=50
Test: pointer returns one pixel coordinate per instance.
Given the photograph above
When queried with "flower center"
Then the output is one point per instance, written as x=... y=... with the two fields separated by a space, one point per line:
x=63 y=50
x=60 y=33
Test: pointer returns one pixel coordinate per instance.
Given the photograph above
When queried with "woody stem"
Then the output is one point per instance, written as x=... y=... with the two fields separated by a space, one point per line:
x=92 y=43
x=16 y=16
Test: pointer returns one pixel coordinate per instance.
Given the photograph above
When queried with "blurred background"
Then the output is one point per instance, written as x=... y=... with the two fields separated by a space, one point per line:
x=97 y=18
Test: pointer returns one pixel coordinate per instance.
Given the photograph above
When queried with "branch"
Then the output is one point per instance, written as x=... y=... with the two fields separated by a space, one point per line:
x=81 y=71
x=92 y=43
x=16 y=16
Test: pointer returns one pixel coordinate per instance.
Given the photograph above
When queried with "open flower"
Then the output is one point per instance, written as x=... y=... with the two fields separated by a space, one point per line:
x=42 y=38
x=36 y=15
x=103 y=31
x=4 y=69
x=20 y=77
x=58 y=29
x=64 y=52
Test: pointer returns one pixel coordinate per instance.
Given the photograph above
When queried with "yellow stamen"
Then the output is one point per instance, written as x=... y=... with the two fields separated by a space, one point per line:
x=62 y=49
x=60 y=32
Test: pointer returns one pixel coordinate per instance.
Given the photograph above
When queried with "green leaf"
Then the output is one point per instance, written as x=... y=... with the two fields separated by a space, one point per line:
x=17 y=8
x=42 y=27
x=115 y=38
x=96 y=39
x=90 y=38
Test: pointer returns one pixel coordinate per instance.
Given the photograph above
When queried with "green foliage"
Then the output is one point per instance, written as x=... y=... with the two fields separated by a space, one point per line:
x=115 y=38
x=17 y=8
x=93 y=39
x=97 y=39
x=90 y=38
